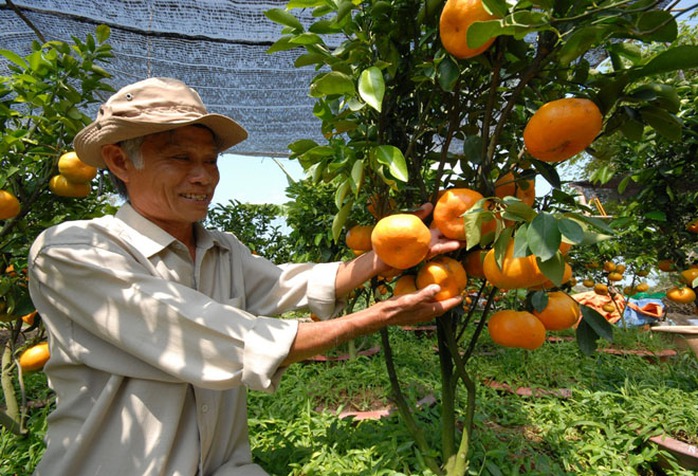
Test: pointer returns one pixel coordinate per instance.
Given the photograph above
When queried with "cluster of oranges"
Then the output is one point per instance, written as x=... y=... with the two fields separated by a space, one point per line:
x=74 y=177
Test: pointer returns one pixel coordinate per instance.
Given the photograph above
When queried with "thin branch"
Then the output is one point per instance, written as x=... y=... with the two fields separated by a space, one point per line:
x=26 y=20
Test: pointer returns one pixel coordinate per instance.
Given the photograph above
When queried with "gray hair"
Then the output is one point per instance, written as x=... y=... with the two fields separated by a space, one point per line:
x=132 y=149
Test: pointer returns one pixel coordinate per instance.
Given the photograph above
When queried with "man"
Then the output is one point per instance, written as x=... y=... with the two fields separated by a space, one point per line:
x=156 y=325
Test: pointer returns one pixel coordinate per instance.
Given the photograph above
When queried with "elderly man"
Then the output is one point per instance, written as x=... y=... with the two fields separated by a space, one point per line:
x=156 y=325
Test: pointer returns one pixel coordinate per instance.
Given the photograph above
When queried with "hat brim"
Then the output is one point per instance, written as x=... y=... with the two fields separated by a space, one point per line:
x=89 y=141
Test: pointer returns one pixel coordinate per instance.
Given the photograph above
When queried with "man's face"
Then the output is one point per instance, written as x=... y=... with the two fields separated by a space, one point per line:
x=179 y=175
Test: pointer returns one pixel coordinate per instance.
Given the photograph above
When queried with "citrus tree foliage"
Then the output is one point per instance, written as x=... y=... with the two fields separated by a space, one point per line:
x=404 y=119
x=40 y=113
x=259 y=226
x=655 y=172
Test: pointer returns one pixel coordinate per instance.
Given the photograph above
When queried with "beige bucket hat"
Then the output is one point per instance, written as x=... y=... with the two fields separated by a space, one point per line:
x=148 y=107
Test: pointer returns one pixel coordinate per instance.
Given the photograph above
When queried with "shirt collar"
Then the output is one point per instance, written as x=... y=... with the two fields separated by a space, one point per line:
x=152 y=239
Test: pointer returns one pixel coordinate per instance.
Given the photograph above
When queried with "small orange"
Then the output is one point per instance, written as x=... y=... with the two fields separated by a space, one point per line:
x=74 y=169
x=609 y=266
x=515 y=273
x=508 y=186
x=548 y=284
x=608 y=307
x=682 y=295
x=601 y=289
x=405 y=284
x=692 y=226
x=642 y=287
x=615 y=276
x=589 y=283
x=473 y=264
x=562 y=128
x=565 y=247
x=9 y=205
x=666 y=265
x=456 y=18
x=689 y=275
x=30 y=317
x=519 y=329
x=561 y=312
x=34 y=357
x=447 y=273
x=62 y=187
x=401 y=240
x=358 y=237
x=643 y=272
x=449 y=210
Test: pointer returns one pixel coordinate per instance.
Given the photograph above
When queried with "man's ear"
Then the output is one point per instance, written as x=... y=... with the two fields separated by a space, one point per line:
x=117 y=161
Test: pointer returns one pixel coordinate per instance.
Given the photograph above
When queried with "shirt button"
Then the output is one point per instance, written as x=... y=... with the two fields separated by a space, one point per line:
x=204 y=408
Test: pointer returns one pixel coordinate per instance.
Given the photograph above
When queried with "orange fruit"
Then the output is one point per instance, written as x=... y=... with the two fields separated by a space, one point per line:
x=358 y=237
x=34 y=357
x=642 y=287
x=515 y=273
x=405 y=284
x=62 y=187
x=601 y=289
x=401 y=240
x=565 y=247
x=643 y=272
x=609 y=266
x=456 y=18
x=689 y=275
x=74 y=169
x=473 y=264
x=561 y=312
x=666 y=265
x=449 y=210
x=629 y=291
x=9 y=205
x=615 y=276
x=447 y=273
x=620 y=268
x=692 y=226
x=29 y=318
x=508 y=186
x=589 y=283
x=562 y=128
x=519 y=329
x=682 y=295
x=608 y=307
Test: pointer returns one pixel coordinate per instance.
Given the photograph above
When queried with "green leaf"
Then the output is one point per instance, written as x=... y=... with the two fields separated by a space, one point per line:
x=357 y=175
x=679 y=57
x=601 y=327
x=448 y=73
x=586 y=338
x=517 y=210
x=14 y=57
x=340 y=219
x=662 y=121
x=544 y=236
x=391 y=157
x=571 y=230
x=372 y=87
x=103 y=32
x=539 y=300
x=580 y=41
x=341 y=193
x=657 y=215
x=548 y=172
x=332 y=83
x=482 y=31
x=661 y=95
x=553 y=268
x=657 y=25
x=281 y=16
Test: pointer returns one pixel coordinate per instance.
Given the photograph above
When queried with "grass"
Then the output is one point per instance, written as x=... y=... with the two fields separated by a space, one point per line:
x=616 y=403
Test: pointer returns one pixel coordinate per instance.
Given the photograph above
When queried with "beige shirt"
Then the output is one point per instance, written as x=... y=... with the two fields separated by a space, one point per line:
x=151 y=353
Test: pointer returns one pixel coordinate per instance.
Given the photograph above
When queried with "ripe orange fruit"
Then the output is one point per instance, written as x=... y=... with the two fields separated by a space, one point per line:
x=615 y=276
x=473 y=264
x=547 y=284
x=519 y=329
x=401 y=240
x=601 y=289
x=74 y=169
x=34 y=357
x=508 y=186
x=9 y=205
x=405 y=284
x=608 y=307
x=515 y=273
x=456 y=18
x=358 y=238
x=666 y=265
x=562 y=312
x=620 y=268
x=609 y=266
x=589 y=283
x=449 y=210
x=682 y=295
x=688 y=275
x=562 y=128
x=642 y=287
x=62 y=187
x=565 y=248
x=692 y=226
x=447 y=273
x=29 y=318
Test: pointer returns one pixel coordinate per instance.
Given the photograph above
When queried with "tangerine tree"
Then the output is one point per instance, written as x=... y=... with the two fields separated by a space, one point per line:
x=41 y=104
x=407 y=115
